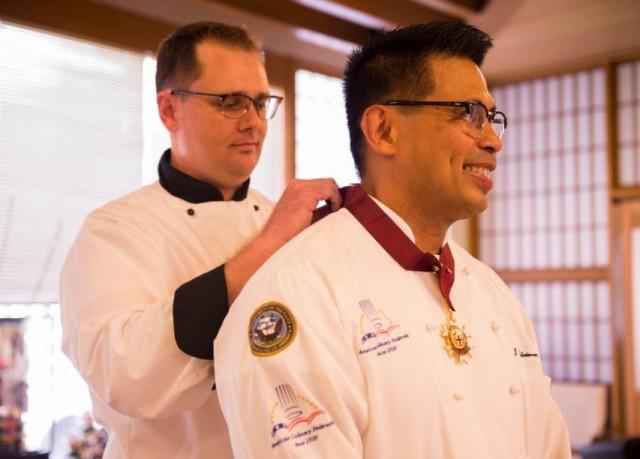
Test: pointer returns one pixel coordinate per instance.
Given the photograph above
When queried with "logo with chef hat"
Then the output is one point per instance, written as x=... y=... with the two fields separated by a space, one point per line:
x=295 y=418
x=374 y=323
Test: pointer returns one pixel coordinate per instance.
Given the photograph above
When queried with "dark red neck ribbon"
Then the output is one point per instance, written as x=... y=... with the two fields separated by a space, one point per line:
x=394 y=240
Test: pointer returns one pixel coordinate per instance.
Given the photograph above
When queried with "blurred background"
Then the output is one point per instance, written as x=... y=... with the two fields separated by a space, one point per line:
x=78 y=127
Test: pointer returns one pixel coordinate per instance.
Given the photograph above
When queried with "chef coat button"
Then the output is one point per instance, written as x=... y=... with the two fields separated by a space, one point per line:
x=514 y=389
x=191 y=212
x=458 y=396
x=494 y=326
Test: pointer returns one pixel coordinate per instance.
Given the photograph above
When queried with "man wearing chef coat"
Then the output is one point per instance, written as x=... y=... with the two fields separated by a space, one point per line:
x=372 y=334
x=149 y=278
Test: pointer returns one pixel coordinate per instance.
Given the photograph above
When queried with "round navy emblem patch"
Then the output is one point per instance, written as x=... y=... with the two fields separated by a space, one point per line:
x=271 y=329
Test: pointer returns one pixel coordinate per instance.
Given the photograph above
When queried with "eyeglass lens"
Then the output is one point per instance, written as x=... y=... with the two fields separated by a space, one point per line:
x=478 y=117
x=237 y=105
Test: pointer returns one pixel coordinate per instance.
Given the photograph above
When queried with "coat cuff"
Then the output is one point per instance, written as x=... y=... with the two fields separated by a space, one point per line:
x=199 y=308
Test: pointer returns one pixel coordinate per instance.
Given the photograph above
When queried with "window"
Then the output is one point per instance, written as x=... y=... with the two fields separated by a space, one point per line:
x=546 y=230
x=322 y=137
x=71 y=140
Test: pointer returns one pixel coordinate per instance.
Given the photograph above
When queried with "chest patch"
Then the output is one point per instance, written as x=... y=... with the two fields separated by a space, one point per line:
x=379 y=335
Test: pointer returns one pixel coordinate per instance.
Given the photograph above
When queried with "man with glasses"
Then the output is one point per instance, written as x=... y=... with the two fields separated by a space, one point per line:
x=150 y=277
x=372 y=334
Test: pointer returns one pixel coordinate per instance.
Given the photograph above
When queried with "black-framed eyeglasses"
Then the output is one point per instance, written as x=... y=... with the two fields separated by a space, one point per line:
x=235 y=106
x=477 y=114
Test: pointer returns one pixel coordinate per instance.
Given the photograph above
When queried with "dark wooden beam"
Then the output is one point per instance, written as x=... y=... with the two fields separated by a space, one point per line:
x=460 y=9
x=473 y=5
x=88 y=20
x=402 y=12
x=297 y=15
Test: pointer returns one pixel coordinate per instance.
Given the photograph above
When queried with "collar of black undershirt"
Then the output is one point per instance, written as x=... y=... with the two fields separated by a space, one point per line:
x=190 y=189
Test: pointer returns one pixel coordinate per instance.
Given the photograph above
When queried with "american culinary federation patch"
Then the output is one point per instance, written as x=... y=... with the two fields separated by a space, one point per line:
x=271 y=329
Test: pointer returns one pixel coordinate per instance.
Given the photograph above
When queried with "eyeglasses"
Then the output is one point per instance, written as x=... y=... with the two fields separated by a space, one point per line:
x=477 y=114
x=235 y=106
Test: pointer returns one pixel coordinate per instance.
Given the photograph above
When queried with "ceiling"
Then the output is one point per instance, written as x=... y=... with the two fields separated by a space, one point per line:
x=531 y=37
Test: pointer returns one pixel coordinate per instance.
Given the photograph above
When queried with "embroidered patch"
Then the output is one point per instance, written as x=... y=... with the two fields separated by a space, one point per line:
x=379 y=335
x=295 y=418
x=271 y=329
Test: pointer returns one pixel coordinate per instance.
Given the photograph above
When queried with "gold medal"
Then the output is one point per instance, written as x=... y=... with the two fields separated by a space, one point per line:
x=456 y=340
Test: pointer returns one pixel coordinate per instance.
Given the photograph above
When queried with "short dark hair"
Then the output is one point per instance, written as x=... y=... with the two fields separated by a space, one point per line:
x=177 y=64
x=393 y=64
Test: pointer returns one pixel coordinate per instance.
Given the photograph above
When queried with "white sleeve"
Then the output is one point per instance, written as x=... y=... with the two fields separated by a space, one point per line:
x=306 y=399
x=116 y=302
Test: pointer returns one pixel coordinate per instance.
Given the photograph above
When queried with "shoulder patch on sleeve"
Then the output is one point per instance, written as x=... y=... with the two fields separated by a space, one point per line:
x=272 y=329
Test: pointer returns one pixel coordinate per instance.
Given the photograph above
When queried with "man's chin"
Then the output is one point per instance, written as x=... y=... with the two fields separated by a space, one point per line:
x=243 y=171
x=481 y=208
x=475 y=208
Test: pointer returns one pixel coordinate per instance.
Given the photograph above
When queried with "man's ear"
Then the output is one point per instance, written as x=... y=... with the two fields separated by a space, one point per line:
x=167 y=110
x=378 y=129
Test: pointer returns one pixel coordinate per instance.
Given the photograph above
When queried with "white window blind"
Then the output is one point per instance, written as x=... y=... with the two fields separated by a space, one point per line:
x=70 y=140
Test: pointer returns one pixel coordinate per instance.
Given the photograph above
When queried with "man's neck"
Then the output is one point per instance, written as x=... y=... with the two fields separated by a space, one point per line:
x=428 y=230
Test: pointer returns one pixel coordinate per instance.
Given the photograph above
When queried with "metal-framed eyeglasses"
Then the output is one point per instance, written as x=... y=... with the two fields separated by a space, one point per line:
x=235 y=106
x=476 y=114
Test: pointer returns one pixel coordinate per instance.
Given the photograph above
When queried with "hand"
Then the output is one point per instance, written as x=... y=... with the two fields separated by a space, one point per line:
x=294 y=210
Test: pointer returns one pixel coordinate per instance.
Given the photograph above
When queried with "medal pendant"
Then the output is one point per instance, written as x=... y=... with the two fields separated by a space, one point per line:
x=456 y=340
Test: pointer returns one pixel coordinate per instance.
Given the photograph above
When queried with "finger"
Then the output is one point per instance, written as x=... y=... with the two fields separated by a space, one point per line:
x=326 y=189
x=335 y=198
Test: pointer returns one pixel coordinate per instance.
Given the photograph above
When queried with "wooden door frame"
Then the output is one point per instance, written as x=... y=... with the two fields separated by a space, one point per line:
x=625 y=396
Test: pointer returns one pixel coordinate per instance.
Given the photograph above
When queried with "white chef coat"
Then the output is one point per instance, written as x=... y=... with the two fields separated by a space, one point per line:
x=365 y=373
x=117 y=291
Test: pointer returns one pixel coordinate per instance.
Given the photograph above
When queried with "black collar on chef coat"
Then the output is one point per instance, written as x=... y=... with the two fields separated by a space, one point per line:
x=190 y=189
